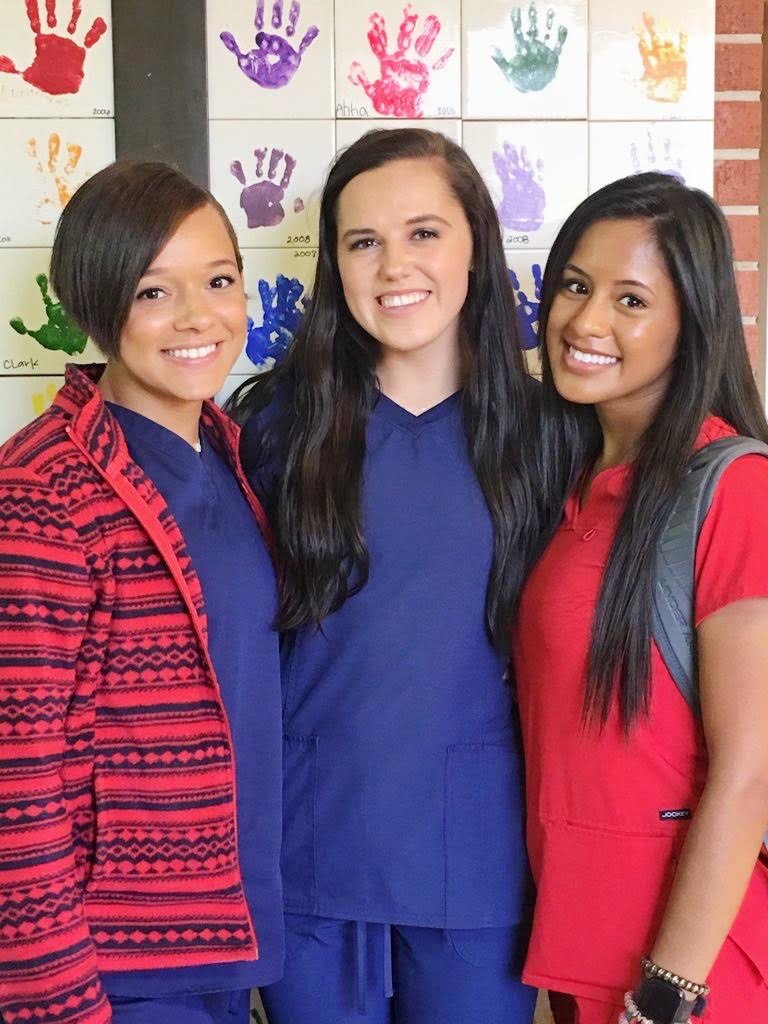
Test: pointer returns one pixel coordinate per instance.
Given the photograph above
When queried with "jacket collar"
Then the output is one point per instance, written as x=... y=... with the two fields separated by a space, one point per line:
x=99 y=431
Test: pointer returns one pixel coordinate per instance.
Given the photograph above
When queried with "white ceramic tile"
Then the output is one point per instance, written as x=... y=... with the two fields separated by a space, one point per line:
x=22 y=399
x=536 y=172
x=682 y=148
x=57 y=63
x=20 y=298
x=280 y=64
x=278 y=283
x=527 y=60
x=394 y=60
x=525 y=272
x=268 y=175
x=348 y=132
x=651 y=60
x=46 y=161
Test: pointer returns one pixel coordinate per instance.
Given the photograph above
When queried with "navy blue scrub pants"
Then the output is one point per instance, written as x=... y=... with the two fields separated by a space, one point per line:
x=346 y=971
x=208 y=1008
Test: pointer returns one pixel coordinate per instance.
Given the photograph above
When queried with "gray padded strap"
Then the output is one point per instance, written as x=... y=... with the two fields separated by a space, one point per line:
x=673 y=593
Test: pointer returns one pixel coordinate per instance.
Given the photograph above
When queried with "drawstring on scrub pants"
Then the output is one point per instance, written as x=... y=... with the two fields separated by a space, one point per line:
x=361 y=937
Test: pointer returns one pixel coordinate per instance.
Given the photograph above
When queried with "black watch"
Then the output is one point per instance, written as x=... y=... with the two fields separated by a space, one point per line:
x=664 y=1003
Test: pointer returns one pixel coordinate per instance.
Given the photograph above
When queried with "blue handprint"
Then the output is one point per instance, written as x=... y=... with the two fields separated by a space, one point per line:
x=282 y=309
x=666 y=165
x=535 y=62
x=523 y=199
x=273 y=62
x=528 y=308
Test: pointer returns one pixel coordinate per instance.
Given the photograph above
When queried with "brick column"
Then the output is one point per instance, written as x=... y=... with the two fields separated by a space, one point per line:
x=738 y=128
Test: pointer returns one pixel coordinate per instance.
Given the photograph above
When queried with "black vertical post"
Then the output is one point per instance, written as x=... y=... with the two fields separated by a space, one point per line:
x=161 y=93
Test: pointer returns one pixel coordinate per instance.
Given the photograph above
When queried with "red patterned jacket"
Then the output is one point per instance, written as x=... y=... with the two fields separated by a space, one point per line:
x=118 y=834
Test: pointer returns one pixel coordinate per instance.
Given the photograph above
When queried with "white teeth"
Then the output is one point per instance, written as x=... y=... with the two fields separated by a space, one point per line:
x=591 y=357
x=389 y=301
x=192 y=353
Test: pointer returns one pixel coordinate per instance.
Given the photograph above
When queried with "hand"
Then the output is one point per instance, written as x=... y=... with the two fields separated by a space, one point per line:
x=402 y=82
x=58 y=65
x=58 y=181
x=58 y=334
x=273 y=62
x=262 y=201
x=268 y=344
x=528 y=308
x=535 y=62
x=665 y=64
x=523 y=199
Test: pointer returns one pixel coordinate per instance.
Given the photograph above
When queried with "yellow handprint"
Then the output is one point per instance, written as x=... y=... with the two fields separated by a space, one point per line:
x=58 y=181
x=665 y=64
x=42 y=399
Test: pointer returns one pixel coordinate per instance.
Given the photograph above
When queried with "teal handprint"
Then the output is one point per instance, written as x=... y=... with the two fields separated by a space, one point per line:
x=535 y=62
x=58 y=334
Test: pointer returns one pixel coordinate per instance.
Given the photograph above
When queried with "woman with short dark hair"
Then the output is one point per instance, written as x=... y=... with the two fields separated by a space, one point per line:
x=646 y=819
x=396 y=448
x=138 y=883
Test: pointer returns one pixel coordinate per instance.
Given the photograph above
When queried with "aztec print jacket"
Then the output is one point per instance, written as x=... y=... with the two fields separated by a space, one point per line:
x=118 y=833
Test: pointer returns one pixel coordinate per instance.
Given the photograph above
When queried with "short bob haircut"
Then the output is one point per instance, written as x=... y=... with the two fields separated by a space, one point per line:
x=109 y=233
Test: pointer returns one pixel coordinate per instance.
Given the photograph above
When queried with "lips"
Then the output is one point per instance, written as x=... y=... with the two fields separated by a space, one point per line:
x=591 y=358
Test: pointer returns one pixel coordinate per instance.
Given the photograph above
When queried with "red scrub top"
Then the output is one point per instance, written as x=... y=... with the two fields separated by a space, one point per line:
x=607 y=817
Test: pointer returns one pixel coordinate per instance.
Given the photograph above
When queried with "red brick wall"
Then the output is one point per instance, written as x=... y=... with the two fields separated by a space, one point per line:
x=738 y=126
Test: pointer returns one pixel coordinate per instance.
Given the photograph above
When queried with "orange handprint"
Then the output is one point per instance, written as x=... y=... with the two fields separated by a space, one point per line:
x=665 y=64
x=58 y=65
x=57 y=181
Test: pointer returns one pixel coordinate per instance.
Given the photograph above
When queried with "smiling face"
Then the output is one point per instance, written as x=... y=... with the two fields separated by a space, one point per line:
x=404 y=252
x=186 y=326
x=614 y=323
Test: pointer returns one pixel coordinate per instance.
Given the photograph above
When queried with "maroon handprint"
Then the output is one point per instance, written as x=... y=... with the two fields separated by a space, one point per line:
x=58 y=65
x=263 y=201
x=403 y=82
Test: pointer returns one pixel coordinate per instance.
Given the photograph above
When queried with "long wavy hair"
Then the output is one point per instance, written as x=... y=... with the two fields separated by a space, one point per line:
x=710 y=375
x=328 y=388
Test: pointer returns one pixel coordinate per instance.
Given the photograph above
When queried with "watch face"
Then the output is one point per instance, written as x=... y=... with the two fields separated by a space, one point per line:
x=659 y=1000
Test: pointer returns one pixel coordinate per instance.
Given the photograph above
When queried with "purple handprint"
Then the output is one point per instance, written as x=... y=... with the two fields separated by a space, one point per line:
x=273 y=62
x=666 y=165
x=528 y=308
x=403 y=82
x=282 y=310
x=262 y=201
x=523 y=199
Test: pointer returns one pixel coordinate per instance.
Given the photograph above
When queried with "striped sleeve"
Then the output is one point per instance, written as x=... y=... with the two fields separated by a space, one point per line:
x=48 y=967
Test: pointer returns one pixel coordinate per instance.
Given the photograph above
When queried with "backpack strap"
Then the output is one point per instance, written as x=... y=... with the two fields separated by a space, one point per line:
x=673 y=590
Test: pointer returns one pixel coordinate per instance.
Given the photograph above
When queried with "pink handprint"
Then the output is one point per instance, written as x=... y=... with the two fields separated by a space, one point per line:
x=273 y=62
x=58 y=65
x=262 y=201
x=403 y=82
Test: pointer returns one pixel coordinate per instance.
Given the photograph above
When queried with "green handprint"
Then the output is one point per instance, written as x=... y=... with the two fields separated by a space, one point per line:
x=535 y=63
x=58 y=334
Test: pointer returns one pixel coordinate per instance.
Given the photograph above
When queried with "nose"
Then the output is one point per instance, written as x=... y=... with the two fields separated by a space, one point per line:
x=395 y=261
x=592 y=319
x=192 y=312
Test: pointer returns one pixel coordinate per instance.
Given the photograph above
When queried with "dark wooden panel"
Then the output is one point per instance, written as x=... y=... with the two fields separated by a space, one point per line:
x=161 y=103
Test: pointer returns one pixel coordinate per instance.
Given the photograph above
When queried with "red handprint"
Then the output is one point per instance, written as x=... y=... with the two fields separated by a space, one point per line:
x=403 y=82
x=58 y=65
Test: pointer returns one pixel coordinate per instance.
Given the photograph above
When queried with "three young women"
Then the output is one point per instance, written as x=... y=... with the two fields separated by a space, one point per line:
x=138 y=883
x=394 y=452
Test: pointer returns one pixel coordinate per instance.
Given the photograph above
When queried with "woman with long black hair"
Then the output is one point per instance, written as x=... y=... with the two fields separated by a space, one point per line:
x=645 y=821
x=393 y=448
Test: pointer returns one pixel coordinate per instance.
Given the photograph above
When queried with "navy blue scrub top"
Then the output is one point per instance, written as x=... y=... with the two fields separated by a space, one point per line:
x=402 y=793
x=238 y=582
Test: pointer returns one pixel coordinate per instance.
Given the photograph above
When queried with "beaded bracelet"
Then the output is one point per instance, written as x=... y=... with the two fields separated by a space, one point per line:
x=632 y=1013
x=653 y=970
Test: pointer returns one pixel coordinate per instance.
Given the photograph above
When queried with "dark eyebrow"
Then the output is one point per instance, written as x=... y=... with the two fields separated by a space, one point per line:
x=150 y=271
x=631 y=284
x=422 y=217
